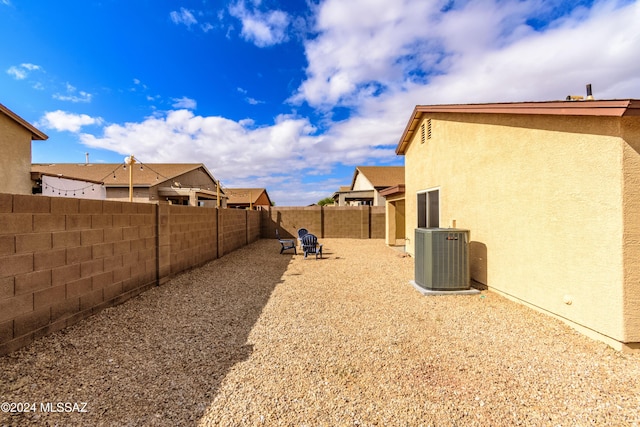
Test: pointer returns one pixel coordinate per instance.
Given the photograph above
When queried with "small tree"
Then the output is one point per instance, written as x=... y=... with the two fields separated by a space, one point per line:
x=326 y=201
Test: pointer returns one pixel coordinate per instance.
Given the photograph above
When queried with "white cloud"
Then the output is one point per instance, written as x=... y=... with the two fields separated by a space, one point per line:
x=17 y=73
x=20 y=72
x=73 y=95
x=253 y=101
x=596 y=48
x=64 y=121
x=261 y=28
x=187 y=18
x=476 y=51
x=184 y=102
x=184 y=16
x=229 y=148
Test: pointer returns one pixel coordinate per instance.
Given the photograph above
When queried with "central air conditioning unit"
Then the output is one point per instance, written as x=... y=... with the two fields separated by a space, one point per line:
x=442 y=259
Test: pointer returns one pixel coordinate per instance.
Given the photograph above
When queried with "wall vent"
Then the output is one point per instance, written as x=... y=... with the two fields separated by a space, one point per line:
x=425 y=131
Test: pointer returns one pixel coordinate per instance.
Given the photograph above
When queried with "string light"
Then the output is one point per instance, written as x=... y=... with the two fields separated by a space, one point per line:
x=55 y=189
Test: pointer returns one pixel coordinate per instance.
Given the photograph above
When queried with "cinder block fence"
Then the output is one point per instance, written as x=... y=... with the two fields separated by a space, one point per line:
x=62 y=259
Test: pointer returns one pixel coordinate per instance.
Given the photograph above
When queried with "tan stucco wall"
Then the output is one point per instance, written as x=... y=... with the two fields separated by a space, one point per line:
x=15 y=161
x=631 y=206
x=542 y=197
x=395 y=220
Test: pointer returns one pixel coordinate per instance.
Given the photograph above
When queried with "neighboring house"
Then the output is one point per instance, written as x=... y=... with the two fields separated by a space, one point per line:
x=16 y=135
x=342 y=191
x=550 y=193
x=248 y=198
x=177 y=183
x=367 y=183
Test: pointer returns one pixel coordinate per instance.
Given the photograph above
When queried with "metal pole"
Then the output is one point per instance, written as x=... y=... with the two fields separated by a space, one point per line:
x=218 y=193
x=130 y=161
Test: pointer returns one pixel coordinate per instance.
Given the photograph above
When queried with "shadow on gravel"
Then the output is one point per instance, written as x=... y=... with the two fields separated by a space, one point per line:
x=157 y=359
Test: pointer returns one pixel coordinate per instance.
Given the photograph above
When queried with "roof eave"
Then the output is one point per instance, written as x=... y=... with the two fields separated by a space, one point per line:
x=36 y=135
x=608 y=108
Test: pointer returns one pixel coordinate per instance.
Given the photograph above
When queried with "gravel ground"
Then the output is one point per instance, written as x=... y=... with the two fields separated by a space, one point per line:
x=259 y=338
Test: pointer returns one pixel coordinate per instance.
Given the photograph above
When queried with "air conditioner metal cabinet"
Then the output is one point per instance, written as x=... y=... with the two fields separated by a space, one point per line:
x=442 y=259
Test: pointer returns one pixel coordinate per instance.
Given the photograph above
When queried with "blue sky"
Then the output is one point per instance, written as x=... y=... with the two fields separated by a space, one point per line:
x=292 y=95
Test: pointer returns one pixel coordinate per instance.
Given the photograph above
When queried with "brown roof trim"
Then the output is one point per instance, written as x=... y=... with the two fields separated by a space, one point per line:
x=39 y=175
x=390 y=191
x=35 y=133
x=609 y=108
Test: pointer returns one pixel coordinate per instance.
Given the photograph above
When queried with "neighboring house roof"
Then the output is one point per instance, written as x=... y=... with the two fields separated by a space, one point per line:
x=611 y=108
x=35 y=133
x=114 y=175
x=245 y=196
x=380 y=176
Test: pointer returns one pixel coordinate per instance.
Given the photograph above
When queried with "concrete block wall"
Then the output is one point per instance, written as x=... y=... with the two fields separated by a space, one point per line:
x=378 y=222
x=191 y=235
x=355 y=222
x=234 y=230
x=62 y=260
x=254 y=226
x=344 y=221
x=289 y=219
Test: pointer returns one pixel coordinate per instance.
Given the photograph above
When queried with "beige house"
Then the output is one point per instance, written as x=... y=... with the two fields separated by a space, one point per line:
x=16 y=135
x=366 y=185
x=248 y=198
x=550 y=192
x=176 y=183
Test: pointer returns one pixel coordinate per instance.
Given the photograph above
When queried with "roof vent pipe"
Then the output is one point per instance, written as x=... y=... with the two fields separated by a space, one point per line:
x=86 y=155
x=589 y=93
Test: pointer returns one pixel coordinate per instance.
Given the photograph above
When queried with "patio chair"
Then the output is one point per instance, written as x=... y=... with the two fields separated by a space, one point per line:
x=302 y=232
x=310 y=245
x=286 y=243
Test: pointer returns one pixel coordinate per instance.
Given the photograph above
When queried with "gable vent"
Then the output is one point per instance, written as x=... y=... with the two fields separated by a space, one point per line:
x=425 y=131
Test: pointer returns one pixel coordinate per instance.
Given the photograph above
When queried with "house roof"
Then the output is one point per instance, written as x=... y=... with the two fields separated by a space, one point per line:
x=239 y=196
x=35 y=133
x=380 y=176
x=114 y=175
x=610 y=108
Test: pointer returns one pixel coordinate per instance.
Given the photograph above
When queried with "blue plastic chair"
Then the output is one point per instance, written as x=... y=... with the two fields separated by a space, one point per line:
x=301 y=232
x=310 y=245
x=286 y=244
